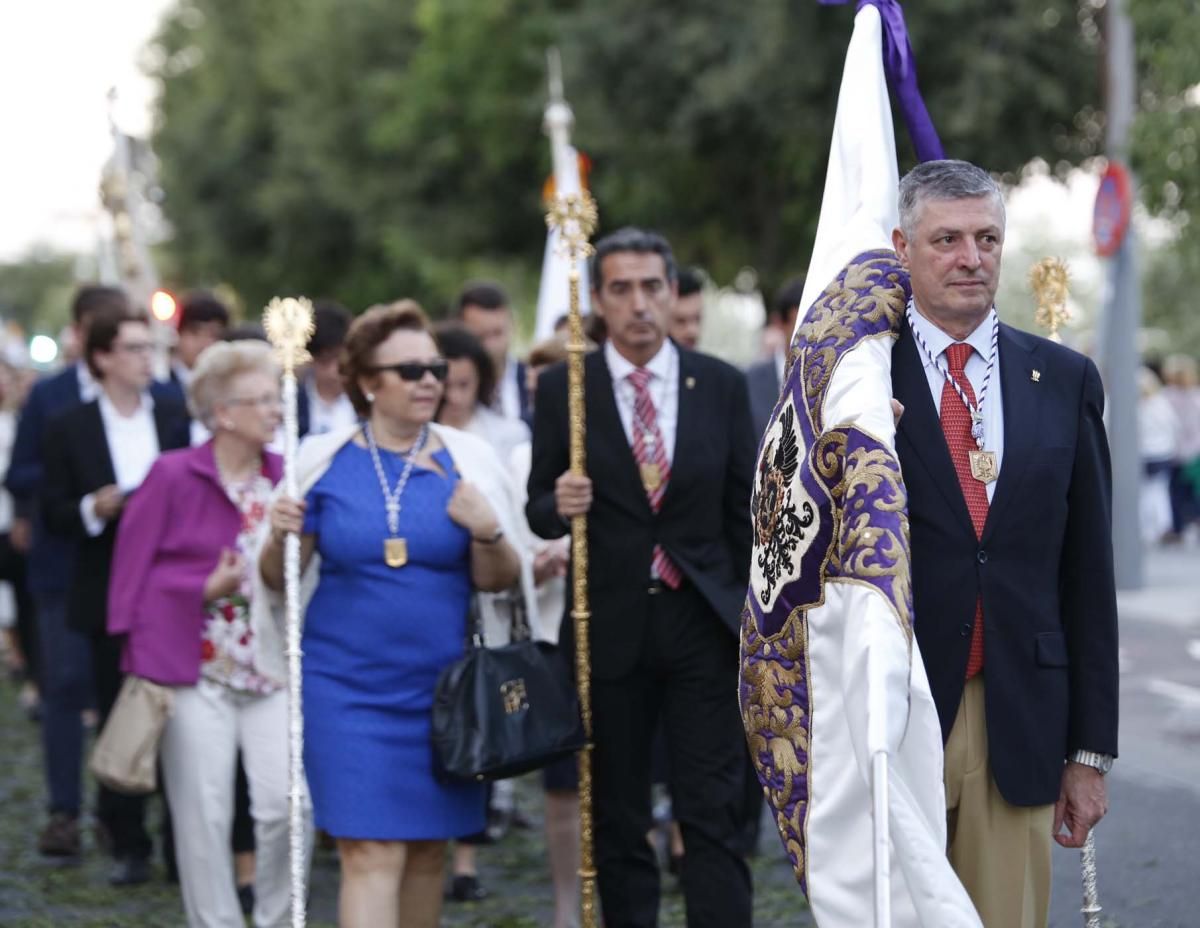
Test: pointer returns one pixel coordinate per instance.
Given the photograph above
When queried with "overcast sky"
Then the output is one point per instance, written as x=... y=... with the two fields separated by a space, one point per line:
x=58 y=58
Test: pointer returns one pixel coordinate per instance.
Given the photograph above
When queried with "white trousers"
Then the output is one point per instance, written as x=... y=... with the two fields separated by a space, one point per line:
x=199 y=756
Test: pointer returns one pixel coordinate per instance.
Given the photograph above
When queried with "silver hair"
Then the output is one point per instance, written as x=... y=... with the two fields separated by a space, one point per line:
x=943 y=180
x=216 y=368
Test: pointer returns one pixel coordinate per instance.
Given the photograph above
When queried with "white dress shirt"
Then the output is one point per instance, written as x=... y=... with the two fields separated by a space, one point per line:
x=88 y=388
x=508 y=392
x=132 y=445
x=327 y=417
x=976 y=369
x=664 y=391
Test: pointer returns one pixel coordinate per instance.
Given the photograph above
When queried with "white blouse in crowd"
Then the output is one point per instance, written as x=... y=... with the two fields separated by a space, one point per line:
x=133 y=447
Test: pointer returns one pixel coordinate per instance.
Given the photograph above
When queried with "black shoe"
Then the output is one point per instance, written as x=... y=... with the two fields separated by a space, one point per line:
x=130 y=871
x=246 y=899
x=466 y=888
x=60 y=837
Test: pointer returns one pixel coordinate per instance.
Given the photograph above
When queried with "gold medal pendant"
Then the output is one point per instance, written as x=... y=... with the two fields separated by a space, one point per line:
x=651 y=477
x=395 y=552
x=983 y=466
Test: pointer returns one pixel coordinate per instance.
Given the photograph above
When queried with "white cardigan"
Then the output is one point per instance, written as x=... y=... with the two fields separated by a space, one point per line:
x=476 y=463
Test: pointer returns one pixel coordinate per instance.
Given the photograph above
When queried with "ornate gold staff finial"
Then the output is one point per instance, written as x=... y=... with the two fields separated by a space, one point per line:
x=575 y=217
x=289 y=325
x=1050 y=280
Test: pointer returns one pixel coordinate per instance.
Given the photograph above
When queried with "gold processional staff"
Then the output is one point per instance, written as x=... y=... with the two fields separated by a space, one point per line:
x=1050 y=281
x=574 y=216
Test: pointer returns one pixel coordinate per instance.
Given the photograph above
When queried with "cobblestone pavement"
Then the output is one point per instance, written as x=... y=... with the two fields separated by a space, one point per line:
x=37 y=894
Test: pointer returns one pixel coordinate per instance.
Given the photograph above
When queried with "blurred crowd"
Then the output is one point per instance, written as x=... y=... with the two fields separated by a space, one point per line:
x=139 y=494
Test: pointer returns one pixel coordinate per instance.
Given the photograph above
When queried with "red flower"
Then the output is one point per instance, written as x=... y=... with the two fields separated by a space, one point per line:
x=207 y=651
x=244 y=640
x=229 y=612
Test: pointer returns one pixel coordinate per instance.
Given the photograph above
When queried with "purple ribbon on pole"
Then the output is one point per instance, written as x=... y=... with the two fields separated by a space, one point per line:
x=900 y=66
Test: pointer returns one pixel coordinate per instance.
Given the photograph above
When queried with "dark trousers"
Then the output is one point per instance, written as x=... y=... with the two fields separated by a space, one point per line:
x=124 y=816
x=687 y=675
x=65 y=678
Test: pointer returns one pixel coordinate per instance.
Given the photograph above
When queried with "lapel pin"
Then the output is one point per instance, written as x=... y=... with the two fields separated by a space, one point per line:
x=1035 y=376
x=690 y=382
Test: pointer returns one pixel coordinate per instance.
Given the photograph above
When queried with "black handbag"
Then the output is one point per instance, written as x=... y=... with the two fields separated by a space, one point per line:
x=501 y=712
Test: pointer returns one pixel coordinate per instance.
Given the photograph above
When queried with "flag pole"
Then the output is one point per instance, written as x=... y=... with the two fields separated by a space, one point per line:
x=289 y=326
x=572 y=214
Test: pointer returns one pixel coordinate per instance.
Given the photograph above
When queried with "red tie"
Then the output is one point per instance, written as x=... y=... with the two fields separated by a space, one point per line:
x=956 y=424
x=650 y=449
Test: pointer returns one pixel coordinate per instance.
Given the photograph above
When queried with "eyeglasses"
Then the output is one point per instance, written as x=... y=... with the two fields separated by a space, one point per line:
x=412 y=371
x=266 y=401
x=136 y=348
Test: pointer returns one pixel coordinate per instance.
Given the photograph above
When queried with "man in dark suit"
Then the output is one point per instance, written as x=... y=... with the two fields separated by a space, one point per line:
x=668 y=438
x=1007 y=469
x=96 y=454
x=484 y=311
x=203 y=321
x=765 y=378
x=64 y=660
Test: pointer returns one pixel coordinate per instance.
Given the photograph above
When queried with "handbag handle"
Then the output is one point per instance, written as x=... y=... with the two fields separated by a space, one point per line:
x=518 y=619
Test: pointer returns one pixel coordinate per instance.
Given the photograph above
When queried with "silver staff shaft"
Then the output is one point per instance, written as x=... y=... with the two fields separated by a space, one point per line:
x=1091 y=898
x=291 y=567
x=883 y=857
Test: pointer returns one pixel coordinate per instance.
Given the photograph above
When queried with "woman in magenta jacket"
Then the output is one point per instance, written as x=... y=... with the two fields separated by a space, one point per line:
x=180 y=595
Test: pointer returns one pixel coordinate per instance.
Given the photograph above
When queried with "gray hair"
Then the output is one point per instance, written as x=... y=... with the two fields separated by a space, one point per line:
x=636 y=240
x=216 y=368
x=943 y=180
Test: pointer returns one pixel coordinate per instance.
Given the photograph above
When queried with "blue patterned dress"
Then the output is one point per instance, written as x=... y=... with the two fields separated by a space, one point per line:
x=375 y=640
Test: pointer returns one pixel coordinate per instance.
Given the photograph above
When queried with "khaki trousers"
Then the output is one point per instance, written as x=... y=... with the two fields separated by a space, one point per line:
x=1001 y=852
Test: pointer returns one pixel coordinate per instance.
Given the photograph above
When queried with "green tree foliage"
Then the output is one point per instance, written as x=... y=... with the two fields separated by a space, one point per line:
x=374 y=148
x=35 y=290
x=1166 y=157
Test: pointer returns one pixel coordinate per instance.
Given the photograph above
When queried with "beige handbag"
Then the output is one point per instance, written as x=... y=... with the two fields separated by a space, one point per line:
x=125 y=757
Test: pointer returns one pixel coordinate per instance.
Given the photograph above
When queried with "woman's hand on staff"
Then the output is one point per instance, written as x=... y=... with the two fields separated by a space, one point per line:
x=470 y=509
x=226 y=577
x=287 y=515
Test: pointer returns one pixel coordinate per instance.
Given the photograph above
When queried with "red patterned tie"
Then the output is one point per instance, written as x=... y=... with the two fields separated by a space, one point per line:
x=650 y=451
x=956 y=423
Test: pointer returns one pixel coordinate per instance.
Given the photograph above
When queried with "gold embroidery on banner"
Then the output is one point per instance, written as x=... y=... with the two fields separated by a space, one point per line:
x=776 y=714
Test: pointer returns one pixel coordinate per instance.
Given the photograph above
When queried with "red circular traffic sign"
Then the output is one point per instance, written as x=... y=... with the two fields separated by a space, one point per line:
x=1114 y=204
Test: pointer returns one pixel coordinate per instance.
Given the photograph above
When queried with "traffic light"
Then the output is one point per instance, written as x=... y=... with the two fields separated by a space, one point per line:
x=163 y=306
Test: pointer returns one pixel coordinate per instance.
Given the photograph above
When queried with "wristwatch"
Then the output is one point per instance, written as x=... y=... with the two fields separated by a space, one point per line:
x=1100 y=762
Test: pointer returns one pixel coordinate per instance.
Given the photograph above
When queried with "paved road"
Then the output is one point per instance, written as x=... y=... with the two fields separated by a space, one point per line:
x=1148 y=847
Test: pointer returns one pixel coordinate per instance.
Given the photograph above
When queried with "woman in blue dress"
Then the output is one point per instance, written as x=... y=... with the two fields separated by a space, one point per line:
x=402 y=520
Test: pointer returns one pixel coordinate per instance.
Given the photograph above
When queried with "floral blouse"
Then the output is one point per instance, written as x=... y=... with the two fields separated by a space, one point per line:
x=227 y=650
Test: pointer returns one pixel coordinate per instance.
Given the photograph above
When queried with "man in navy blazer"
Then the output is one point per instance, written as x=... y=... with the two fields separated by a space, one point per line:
x=484 y=310
x=1007 y=470
x=765 y=378
x=65 y=657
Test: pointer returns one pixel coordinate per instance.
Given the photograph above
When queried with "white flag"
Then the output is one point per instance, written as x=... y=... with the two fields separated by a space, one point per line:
x=553 y=292
x=831 y=673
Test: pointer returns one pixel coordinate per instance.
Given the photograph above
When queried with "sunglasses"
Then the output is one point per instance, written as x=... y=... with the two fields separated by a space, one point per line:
x=413 y=371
